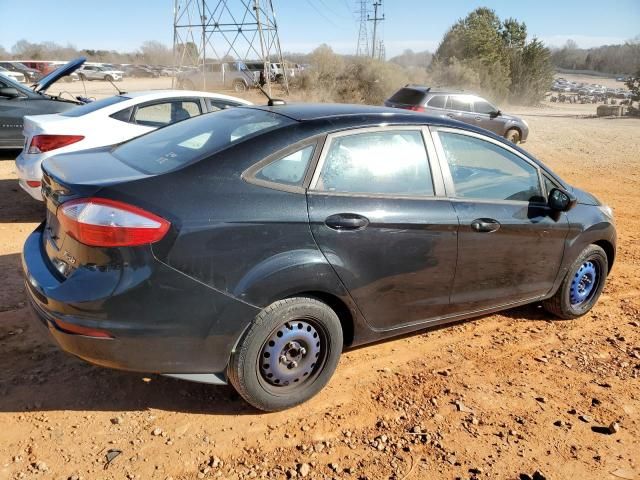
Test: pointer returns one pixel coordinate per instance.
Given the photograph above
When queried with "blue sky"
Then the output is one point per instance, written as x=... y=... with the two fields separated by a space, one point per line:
x=304 y=24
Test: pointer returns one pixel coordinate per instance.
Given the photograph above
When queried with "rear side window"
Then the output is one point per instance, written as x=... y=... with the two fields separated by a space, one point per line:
x=460 y=103
x=182 y=143
x=165 y=113
x=215 y=104
x=408 y=96
x=288 y=170
x=437 y=102
x=93 y=106
x=123 y=115
x=383 y=162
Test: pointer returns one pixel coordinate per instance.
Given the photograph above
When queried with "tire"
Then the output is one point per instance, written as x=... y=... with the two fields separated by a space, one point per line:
x=188 y=85
x=282 y=334
x=82 y=77
x=109 y=78
x=569 y=301
x=239 y=86
x=513 y=135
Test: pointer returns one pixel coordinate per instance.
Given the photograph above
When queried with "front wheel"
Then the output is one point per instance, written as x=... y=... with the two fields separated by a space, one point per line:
x=287 y=355
x=513 y=135
x=581 y=287
x=109 y=78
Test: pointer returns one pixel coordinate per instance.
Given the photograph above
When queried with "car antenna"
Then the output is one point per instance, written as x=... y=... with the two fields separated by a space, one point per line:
x=114 y=86
x=272 y=101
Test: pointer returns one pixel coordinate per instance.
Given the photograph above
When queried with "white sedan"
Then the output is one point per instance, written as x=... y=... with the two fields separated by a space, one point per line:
x=107 y=122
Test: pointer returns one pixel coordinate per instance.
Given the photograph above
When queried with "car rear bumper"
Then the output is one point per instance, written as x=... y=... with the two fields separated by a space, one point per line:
x=29 y=169
x=158 y=320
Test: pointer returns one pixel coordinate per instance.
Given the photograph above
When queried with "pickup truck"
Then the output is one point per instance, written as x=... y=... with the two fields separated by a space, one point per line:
x=233 y=75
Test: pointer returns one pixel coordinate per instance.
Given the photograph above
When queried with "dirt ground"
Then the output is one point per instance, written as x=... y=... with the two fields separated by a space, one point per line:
x=499 y=397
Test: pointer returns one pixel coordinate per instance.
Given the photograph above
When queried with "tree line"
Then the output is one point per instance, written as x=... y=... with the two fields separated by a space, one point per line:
x=614 y=59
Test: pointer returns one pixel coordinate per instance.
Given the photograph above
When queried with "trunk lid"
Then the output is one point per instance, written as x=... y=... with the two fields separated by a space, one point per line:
x=73 y=176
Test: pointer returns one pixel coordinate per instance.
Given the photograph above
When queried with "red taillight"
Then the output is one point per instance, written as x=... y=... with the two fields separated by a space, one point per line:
x=100 y=222
x=33 y=183
x=415 y=108
x=46 y=143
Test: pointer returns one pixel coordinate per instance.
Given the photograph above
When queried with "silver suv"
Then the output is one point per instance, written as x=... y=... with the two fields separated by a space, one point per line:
x=462 y=106
x=234 y=75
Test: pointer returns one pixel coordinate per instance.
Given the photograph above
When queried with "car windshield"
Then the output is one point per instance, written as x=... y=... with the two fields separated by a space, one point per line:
x=189 y=141
x=93 y=106
x=13 y=83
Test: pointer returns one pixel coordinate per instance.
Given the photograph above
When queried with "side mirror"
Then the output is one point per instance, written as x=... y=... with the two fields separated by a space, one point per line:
x=9 y=92
x=495 y=114
x=561 y=200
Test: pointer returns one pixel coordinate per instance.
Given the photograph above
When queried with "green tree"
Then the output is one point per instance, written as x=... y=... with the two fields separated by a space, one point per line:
x=633 y=84
x=502 y=62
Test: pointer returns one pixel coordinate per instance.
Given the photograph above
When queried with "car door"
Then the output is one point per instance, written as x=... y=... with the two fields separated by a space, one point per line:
x=459 y=107
x=510 y=244
x=379 y=215
x=486 y=116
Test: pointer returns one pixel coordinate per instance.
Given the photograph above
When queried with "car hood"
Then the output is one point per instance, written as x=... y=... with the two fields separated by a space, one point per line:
x=48 y=80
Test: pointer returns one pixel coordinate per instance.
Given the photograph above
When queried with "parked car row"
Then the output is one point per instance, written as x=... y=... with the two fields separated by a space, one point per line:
x=592 y=90
x=198 y=236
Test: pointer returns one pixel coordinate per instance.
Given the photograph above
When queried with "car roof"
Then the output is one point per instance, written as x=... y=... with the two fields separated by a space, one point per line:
x=439 y=90
x=160 y=94
x=315 y=111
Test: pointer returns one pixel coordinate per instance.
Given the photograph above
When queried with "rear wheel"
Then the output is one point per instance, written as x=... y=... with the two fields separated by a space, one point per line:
x=513 y=135
x=82 y=77
x=581 y=287
x=287 y=355
x=239 y=86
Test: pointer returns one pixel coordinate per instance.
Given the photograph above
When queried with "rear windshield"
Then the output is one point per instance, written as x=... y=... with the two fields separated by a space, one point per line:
x=191 y=140
x=408 y=96
x=93 y=106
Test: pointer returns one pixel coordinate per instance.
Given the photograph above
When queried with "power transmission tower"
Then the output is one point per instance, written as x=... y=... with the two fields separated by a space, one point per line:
x=209 y=31
x=376 y=19
x=363 y=38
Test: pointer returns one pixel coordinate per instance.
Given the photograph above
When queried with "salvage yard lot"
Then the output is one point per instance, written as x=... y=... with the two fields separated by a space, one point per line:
x=496 y=397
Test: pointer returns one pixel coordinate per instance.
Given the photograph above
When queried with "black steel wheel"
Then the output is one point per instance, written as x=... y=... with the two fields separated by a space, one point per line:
x=287 y=355
x=582 y=285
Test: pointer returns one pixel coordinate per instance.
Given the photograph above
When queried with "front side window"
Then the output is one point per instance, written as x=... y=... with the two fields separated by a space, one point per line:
x=381 y=162
x=482 y=106
x=483 y=170
x=288 y=170
x=461 y=103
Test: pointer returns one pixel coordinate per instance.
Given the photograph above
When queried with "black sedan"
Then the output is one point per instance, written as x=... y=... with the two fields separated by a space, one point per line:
x=254 y=244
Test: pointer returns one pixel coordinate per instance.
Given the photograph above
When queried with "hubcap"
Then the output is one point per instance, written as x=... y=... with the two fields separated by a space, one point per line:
x=583 y=283
x=290 y=355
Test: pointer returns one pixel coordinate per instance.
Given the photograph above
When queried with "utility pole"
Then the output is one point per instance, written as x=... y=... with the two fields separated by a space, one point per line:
x=375 y=20
x=362 y=48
